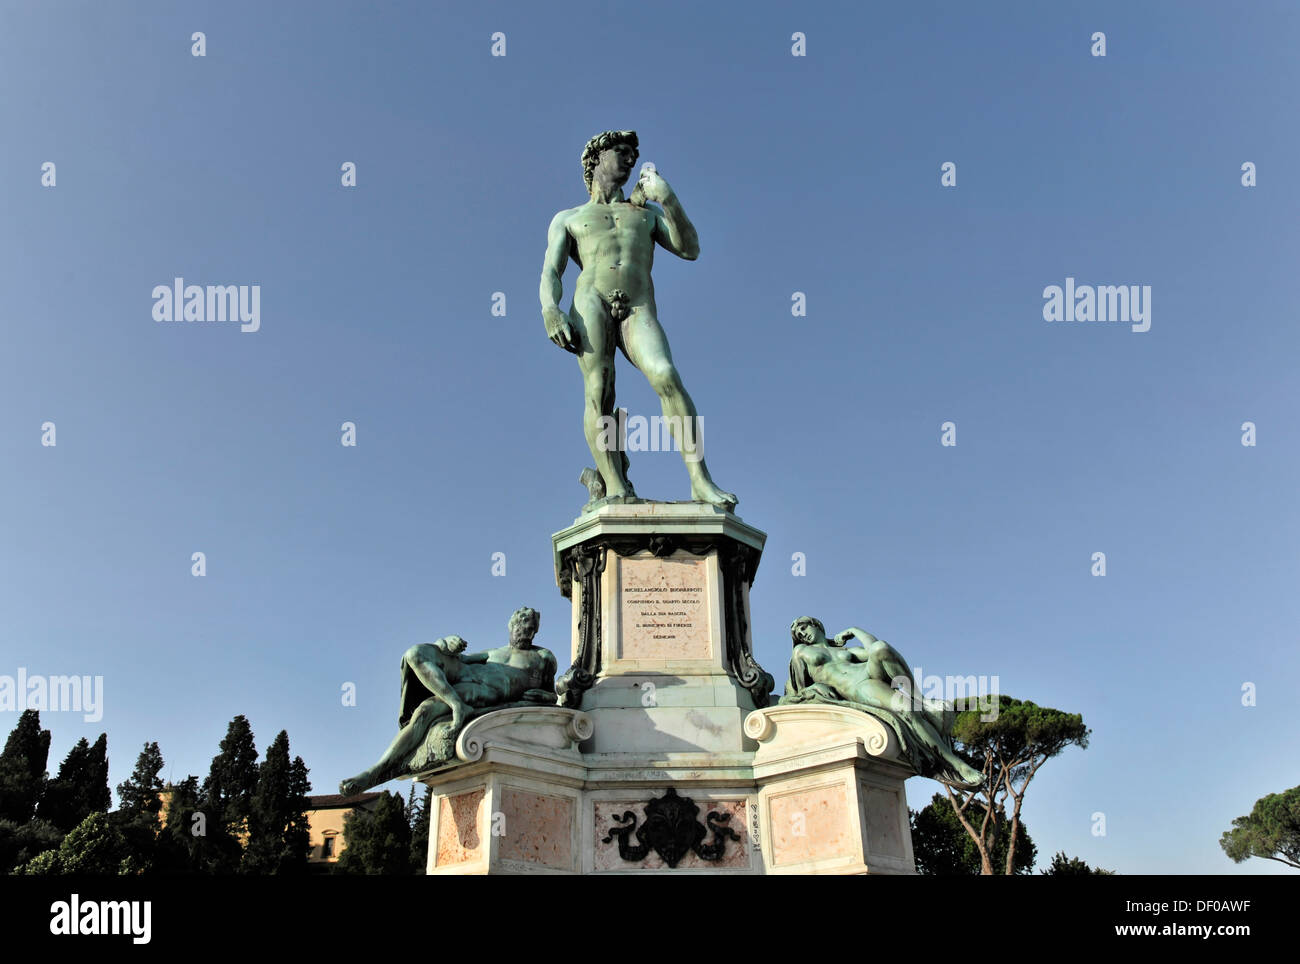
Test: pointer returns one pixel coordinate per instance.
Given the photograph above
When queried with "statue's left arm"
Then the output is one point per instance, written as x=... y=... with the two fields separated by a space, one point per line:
x=853 y=632
x=673 y=229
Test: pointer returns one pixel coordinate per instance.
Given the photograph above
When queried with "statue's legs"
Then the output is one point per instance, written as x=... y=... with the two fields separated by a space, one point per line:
x=421 y=668
x=921 y=725
x=407 y=741
x=596 y=334
x=646 y=346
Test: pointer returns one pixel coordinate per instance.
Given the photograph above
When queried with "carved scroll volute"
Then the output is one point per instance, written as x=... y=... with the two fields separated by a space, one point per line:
x=585 y=564
x=739 y=566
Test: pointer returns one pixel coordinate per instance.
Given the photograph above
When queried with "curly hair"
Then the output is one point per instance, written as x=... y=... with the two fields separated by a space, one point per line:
x=524 y=615
x=603 y=142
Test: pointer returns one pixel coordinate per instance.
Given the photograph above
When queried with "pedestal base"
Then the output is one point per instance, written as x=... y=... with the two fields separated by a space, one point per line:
x=665 y=756
x=822 y=794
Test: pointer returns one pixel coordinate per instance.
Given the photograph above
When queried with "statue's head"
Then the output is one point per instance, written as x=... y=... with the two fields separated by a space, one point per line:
x=452 y=644
x=523 y=626
x=614 y=153
x=807 y=630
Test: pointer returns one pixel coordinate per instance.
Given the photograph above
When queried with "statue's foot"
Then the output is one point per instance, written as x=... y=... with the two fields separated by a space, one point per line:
x=355 y=785
x=622 y=493
x=630 y=498
x=703 y=490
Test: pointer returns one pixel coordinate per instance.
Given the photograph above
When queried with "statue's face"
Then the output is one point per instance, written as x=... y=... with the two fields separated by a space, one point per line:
x=615 y=163
x=522 y=631
x=808 y=633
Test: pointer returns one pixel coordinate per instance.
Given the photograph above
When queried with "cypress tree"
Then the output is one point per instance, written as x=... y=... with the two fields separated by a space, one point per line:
x=227 y=795
x=81 y=787
x=278 y=839
x=139 y=795
x=378 y=841
x=22 y=768
x=99 y=798
x=297 y=835
x=418 y=812
x=192 y=842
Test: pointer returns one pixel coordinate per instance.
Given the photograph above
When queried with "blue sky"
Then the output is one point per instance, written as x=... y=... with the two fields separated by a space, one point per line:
x=818 y=174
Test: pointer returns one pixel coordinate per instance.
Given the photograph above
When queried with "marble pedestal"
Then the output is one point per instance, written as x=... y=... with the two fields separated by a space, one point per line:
x=664 y=726
x=662 y=655
x=830 y=792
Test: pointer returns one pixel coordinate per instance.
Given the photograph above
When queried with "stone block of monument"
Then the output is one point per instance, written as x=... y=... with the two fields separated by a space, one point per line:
x=511 y=801
x=661 y=646
x=831 y=797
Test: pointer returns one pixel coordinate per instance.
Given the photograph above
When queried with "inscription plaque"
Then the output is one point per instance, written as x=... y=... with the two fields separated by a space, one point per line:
x=665 y=608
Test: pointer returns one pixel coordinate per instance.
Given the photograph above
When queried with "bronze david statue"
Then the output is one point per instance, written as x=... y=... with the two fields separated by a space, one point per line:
x=612 y=240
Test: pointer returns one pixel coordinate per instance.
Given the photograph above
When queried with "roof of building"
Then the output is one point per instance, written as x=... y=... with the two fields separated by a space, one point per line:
x=328 y=801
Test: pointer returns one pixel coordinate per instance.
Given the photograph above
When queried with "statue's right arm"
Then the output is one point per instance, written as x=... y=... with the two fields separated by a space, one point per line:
x=558 y=327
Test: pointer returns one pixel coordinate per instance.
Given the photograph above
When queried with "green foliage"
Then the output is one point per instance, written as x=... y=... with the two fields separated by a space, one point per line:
x=140 y=793
x=140 y=832
x=42 y=865
x=181 y=848
x=1063 y=866
x=19 y=843
x=297 y=828
x=243 y=817
x=225 y=803
x=378 y=841
x=22 y=768
x=81 y=787
x=1019 y=734
x=278 y=836
x=1009 y=747
x=232 y=779
x=94 y=846
x=61 y=804
x=138 y=817
x=418 y=811
x=99 y=796
x=942 y=847
x=1271 y=831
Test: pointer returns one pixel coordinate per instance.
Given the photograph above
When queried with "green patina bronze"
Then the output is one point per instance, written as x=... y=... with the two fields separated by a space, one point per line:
x=875 y=679
x=442 y=690
x=613 y=240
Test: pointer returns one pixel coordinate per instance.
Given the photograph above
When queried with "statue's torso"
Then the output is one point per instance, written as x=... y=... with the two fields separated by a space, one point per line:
x=834 y=666
x=616 y=247
x=524 y=668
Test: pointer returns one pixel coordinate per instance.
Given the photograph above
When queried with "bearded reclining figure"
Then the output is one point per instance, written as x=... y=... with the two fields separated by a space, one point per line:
x=442 y=690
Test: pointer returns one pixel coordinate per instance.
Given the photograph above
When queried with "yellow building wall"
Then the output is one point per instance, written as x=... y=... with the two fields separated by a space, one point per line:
x=326 y=823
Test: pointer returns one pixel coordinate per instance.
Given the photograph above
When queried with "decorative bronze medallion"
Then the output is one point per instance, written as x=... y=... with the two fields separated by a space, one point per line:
x=672 y=829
